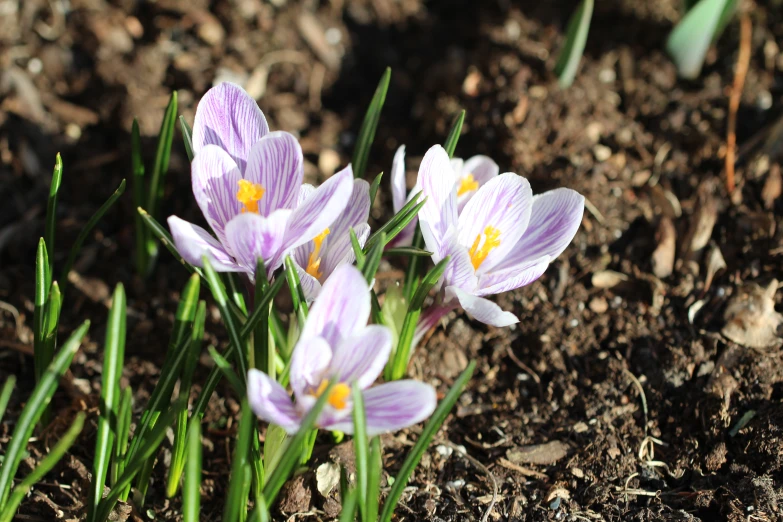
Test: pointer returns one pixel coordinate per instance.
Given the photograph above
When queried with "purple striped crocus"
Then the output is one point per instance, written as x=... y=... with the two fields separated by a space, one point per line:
x=248 y=183
x=501 y=239
x=317 y=259
x=469 y=175
x=337 y=345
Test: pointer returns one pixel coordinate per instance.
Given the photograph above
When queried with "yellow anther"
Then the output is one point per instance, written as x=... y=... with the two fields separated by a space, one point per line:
x=314 y=261
x=467 y=184
x=491 y=241
x=338 y=397
x=249 y=194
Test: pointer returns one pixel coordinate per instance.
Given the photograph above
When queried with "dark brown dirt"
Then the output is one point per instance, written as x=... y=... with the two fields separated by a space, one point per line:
x=639 y=403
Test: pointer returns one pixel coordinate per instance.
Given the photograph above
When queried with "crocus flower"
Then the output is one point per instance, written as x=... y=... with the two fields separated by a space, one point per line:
x=248 y=183
x=503 y=238
x=317 y=259
x=337 y=345
x=469 y=175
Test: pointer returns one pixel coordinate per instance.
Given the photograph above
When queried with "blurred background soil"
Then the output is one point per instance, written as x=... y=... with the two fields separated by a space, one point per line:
x=644 y=380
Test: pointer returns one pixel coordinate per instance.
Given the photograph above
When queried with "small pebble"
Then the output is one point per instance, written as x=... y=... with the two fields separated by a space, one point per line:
x=602 y=152
x=598 y=305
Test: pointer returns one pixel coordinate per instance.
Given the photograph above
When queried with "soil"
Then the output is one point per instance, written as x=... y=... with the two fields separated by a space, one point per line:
x=644 y=379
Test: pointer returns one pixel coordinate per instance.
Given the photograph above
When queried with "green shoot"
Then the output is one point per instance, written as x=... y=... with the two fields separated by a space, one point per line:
x=576 y=37
x=369 y=126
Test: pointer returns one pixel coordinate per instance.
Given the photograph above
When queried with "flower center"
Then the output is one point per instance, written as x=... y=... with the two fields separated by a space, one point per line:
x=467 y=184
x=314 y=261
x=338 y=397
x=249 y=194
x=491 y=241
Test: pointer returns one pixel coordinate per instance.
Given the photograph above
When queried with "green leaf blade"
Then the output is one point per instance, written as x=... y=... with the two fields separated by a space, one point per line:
x=576 y=38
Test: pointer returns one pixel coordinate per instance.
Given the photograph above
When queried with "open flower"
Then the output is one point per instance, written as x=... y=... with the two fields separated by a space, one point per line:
x=248 y=183
x=337 y=345
x=469 y=175
x=503 y=238
x=317 y=259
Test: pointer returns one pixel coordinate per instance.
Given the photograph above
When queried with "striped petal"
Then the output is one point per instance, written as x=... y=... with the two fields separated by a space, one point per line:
x=276 y=163
x=503 y=206
x=215 y=179
x=361 y=357
x=481 y=170
x=439 y=213
x=309 y=364
x=497 y=282
x=193 y=242
x=398 y=187
x=250 y=236
x=227 y=117
x=481 y=309
x=270 y=402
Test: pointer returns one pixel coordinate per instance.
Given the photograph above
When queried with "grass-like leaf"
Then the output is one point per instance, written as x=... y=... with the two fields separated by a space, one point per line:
x=238 y=489
x=456 y=130
x=576 y=37
x=348 y=513
x=691 y=37
x=361 y=448
x=261 y=355
x=374 y=470
x=376 y=183
x=113 y=360
x=5 y=394
x=124 y=414
x=38 y=401
x=297 y=294
x=162 y=155
x=77 y=245
x=43 y=467
x=191 y=490
x=42 y=276
x=51 y=209
x=427 y=434
x=292 y=453
x=222 y=364
x=164 y=237
x=408 y=252
x=187 y=137
x=373 y=260
x=398 y=222
x=137 y=175
x=221 y=299
x=146 y=451
x=369 y=126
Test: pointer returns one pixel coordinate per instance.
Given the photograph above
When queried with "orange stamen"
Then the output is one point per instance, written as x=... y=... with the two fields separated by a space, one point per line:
x=491 y=241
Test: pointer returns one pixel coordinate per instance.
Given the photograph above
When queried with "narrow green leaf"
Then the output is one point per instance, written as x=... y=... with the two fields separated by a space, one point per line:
x=454 y=134
x=361 y=448
x=162 y=155
x=137 y=175
x=51 y=209
x=357 y=249
x=164 y=237
x=41 y=357
x=297 y=294
x=187 y=137
x=691 y=37
x=369 y=126
x=429 y=281
x=427 y=434
x=348 y=513
x=43 y=467
x=398 y=222
x=411 y=281
x=374 y=471
x=124 y=414
x=373 y=259
x=53 y=308
x=221 y=299
x=374 y=188
x=261 y=358
x=576 y=37
x=236 y=498
x=38 y=401
x=291 y=455
x=274 y=444
x=228 y=372
x=191 y=491
x=113 y=360
x=146 y=451
x=408 y=251
x=77 y=245
x=5 y=395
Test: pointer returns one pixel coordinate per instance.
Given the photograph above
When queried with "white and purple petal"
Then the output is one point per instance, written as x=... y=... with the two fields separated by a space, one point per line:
x=270 y=402
x=320 y=209
x=311 y=287
x=276 y=163
x=481 y=309
x=398 y=185
x=227 y=117
x=362 y=357
x=193 y=242
x=520 y=275
x=556 y=216
x=504 y=204
x=342 y=307
x=215 y=179
x=339 y=250
x=309 y=364
x=250 y=236
x=356 y=212
x=436 y=180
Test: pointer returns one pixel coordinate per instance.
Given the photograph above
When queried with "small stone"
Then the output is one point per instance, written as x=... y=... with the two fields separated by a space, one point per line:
x=602 y=152
x=598 y=305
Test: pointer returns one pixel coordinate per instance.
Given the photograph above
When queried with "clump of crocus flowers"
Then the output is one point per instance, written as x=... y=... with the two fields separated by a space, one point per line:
x=486 y=231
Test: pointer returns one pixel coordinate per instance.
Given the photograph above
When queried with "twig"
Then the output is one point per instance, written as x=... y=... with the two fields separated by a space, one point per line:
x=527 y=370
x=743 y=61
x=486 y=471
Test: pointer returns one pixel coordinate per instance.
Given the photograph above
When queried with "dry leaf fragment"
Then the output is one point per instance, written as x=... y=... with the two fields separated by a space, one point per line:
x=543 y=454
x=327 y=477
x=715 y=262
x=608 y=278
x=704 y=217
x=663 y=257
x=751 y=319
